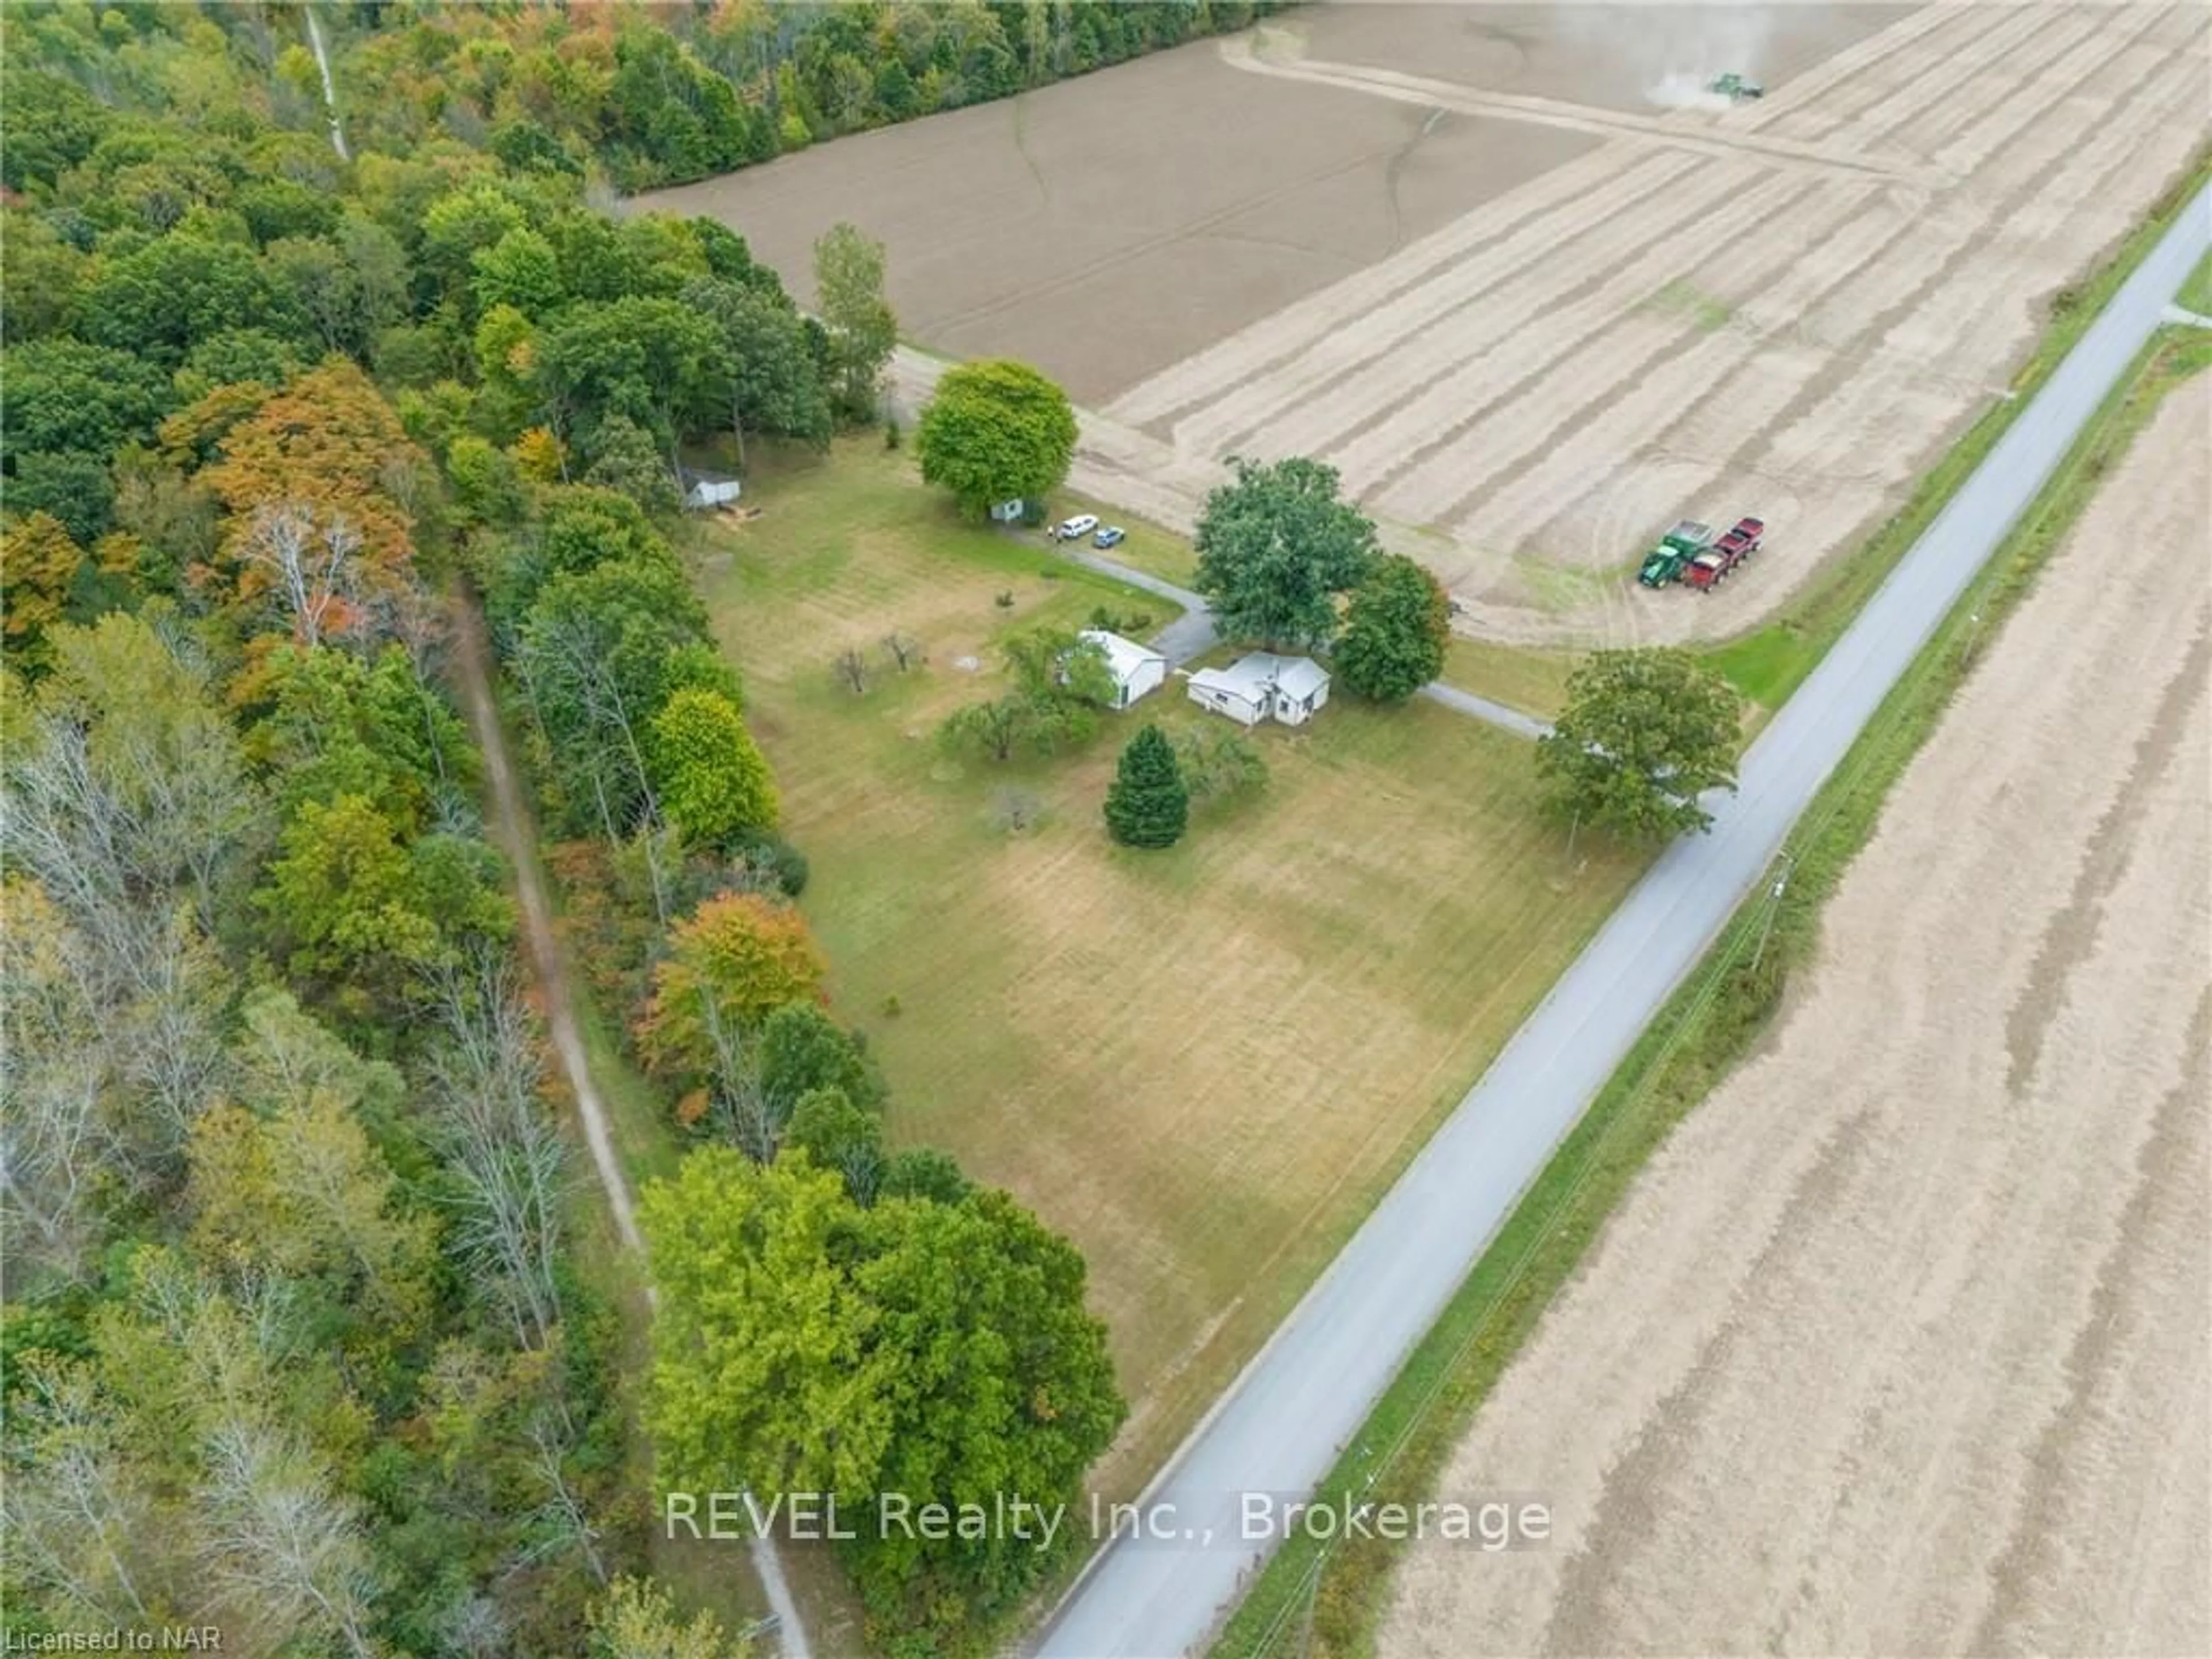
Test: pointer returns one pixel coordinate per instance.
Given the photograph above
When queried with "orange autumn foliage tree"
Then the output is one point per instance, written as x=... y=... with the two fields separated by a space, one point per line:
x=733 y=962
x=316 y=480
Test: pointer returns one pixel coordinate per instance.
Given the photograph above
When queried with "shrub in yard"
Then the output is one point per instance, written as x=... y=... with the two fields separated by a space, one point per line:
x=1218 y=762
x=1147 y=805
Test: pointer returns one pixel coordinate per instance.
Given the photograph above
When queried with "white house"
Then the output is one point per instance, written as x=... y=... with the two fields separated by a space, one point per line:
x=1136 y=668
x=711 y=492
x=1263 y=686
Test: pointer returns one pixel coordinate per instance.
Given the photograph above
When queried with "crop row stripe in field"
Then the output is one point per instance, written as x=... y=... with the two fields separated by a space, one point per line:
x=1775 y=391
x=2025 y=93
x=1585 y=367
x=1770 y=394
x=1578 y=293
x=1966 y=88
x=1921 y=80
x=1888 y=296
x=1410 y=446
x=1637 y=196
x=1294 y=378
x=1986 y=292
x=1409 y=355
x=1922 y=32
x=1632 y=388
x=1540 y=209
x=1751 y=390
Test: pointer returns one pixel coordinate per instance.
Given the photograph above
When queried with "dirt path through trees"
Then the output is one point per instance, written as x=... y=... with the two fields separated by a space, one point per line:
x=515 y=833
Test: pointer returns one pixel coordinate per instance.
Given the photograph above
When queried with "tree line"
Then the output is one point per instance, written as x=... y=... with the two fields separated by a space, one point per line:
x=664 y=97
x=296 y=1338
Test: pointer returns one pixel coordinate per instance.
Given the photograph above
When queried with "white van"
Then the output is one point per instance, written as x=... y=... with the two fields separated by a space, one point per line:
x=1078 y=526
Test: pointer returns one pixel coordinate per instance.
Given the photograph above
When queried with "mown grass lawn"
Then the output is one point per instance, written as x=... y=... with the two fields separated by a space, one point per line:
x=1203 y=1064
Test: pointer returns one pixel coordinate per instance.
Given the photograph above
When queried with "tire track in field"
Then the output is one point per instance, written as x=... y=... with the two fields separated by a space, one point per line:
x=1369 y=340
x=1810 y=384
x=1423 y=350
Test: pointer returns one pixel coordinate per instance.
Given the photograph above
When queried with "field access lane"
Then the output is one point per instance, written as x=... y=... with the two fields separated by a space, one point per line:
x=1288 y=1415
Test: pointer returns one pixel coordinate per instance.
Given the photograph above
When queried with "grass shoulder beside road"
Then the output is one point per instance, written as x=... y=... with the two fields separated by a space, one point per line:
x=1311 y=1600
x=1770 y=663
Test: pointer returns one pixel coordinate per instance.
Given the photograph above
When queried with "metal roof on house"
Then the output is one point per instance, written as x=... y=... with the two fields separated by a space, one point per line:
x=1124 y=657
x=1255 y=676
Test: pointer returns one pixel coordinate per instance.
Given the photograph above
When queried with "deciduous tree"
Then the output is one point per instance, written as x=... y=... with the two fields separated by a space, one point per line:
x=848 y=276
x=762 y=1371
x=731 y=963
x=772 y=384
x=1644 y=734
x=1395 y=631
x=713 y=785
x=999 y=1382
x=1275 y=547
x=996 y=431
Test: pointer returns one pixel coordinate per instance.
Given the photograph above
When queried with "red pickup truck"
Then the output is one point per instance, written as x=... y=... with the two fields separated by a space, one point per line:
x=1740 y=542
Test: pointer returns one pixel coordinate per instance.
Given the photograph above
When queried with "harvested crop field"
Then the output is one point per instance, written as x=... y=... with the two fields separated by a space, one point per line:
x=1901 y=1344
x=1513 y=273
x=1785 y=307
x=1109 y=226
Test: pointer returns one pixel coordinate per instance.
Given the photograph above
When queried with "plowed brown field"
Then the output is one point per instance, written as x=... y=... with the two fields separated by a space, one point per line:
x=1902 y=1344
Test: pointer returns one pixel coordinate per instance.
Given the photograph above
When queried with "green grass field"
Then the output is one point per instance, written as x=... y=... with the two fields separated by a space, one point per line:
x=1203 y=1064
x=2197 y=292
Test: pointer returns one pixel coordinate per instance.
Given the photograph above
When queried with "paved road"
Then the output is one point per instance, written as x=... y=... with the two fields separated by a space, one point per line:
x=1282 y=1424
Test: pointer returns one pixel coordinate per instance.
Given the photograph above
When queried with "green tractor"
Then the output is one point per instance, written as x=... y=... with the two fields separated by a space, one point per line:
x=1666 y=562
x=1735 y=88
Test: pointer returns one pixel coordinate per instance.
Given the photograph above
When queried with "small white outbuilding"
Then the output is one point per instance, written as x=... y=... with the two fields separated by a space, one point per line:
x=1263 y=686
x=1136 y=668
x=706 y=493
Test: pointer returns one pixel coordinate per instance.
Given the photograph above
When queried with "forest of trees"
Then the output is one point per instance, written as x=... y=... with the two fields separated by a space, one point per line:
x=299 y=1339
x=680 y=93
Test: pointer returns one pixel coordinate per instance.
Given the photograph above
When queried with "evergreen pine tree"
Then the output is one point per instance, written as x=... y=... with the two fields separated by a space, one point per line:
x=1147 y=805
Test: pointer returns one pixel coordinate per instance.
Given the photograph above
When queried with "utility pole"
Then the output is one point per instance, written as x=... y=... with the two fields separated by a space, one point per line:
x=1773 y=904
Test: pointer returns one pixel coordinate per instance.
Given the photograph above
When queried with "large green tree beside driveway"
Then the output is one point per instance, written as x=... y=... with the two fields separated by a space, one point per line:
x=1275 y=548
x=1644 y=734
x=1395 y=631
x=996 y=431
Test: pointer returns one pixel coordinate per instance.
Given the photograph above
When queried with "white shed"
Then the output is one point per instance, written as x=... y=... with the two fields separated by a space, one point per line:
x=711 y=492
x=1136 y=668
x=1263 y=686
